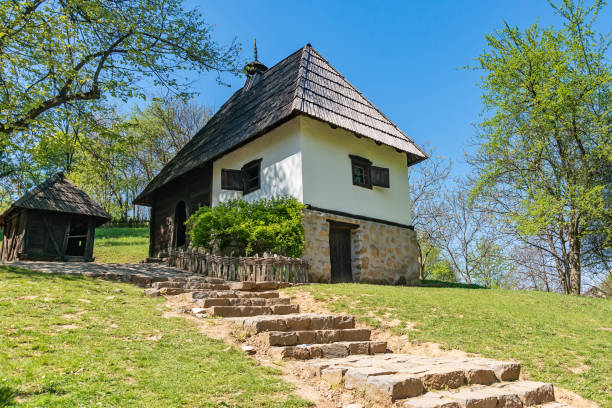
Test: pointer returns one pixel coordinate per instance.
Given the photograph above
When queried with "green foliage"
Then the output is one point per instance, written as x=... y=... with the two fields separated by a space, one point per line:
x=545 y=156
x=70 y=341
x=241 y=228
x=58 y=52
x=560 y=339
x=442 y=270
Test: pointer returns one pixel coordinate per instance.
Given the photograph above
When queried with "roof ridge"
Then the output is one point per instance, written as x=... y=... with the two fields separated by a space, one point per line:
x=297 y=100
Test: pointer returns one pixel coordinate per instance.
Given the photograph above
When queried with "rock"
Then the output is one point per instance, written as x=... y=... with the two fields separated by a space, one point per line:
x=441 y=378
x=248 y=349
x=278 y=338
x=333 y=376
x=507 y=371
x=392 y=387
x=197 y=310
x=151 y=292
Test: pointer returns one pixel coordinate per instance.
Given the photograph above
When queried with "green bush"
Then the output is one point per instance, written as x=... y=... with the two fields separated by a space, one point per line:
x=240 y=228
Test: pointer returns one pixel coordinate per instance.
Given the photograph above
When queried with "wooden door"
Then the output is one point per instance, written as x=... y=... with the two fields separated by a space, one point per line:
x=340 y=253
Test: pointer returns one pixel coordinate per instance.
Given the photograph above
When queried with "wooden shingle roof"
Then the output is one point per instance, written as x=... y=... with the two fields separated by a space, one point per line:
x=304 y=83
x=58 y=194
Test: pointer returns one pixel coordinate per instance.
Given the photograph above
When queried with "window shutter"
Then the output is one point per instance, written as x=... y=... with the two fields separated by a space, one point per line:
x=380 y=176
x=231 y=179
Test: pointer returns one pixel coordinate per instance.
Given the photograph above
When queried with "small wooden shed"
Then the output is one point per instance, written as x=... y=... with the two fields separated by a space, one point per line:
x=54 y=221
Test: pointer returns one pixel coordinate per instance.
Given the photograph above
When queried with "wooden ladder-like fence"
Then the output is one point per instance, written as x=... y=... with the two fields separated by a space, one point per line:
x=244 y=268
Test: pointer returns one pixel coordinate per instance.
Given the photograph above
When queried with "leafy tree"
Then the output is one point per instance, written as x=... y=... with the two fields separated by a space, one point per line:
x=545 y=155
x=54 y=52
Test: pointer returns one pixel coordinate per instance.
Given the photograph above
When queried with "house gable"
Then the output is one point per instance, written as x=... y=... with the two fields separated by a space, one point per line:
x=302 y=84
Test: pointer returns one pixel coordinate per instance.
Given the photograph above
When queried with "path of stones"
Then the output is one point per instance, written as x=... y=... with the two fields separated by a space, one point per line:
x=328 y=347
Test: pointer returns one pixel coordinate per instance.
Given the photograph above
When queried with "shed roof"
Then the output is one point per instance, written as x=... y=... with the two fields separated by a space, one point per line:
x=58 y=194
x=304 y=83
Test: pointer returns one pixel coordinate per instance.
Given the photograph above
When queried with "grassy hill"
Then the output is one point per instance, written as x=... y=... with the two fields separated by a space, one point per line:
x=121 y=244
x=68 y=341
x=566 y=340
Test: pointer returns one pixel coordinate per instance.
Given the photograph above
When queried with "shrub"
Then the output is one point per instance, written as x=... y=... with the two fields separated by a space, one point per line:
x=240 y=228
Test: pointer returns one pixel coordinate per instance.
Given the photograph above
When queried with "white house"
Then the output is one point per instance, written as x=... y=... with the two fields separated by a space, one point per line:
x=301 y=129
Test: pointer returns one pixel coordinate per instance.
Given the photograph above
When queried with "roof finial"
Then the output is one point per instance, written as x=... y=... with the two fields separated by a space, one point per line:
x=255 y=47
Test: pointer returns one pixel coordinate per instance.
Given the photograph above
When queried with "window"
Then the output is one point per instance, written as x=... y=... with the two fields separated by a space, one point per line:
x=247 y=179
x=251 y=176
x=365 y=175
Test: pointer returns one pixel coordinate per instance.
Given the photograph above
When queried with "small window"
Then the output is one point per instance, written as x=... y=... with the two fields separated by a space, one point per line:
x=366 y=175
x=251 y=176
x=360 y=171
x=247 y=179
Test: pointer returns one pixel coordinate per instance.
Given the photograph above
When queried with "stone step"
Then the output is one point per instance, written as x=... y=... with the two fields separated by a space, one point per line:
x=331 y=350
x=191 y=285
x=233 y=294
x=296 y=322
x=508 y=395
x=294 y=338
x=240 y=311
x=205 y=303
x=401 y=374
x=258 y=286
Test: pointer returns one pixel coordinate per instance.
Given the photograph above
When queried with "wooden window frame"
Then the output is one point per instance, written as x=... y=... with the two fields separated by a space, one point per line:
x=243 y=184
x=255 y=164
x=365 y=164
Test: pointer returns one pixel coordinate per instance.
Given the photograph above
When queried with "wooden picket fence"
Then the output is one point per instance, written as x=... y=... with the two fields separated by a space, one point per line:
x=244 y=268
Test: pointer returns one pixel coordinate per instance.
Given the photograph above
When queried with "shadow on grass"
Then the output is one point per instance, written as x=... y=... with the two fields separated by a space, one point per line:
x=442 y=284
x=7 y=396
x=20 y=272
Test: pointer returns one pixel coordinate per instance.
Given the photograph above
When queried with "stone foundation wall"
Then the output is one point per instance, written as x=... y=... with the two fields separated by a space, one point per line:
x=380 y=253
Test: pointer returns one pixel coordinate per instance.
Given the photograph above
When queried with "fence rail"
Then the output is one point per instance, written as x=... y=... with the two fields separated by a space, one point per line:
x=252 y=268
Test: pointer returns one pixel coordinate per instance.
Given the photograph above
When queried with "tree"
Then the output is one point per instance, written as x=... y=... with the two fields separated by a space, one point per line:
x=545 y=157
x=427 y=185
x=54 y=52
x=467 y=236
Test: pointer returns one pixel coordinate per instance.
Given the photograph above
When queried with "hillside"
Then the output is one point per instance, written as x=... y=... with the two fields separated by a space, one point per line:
x=562 y=339
x=69 y=341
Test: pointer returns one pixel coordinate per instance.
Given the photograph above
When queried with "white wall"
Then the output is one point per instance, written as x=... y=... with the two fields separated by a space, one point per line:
x=327 y=176
x=281 y=167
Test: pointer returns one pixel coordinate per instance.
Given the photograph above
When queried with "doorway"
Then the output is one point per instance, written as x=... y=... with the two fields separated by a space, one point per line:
x=77 y=236
x=340 y=252
x=180 y=216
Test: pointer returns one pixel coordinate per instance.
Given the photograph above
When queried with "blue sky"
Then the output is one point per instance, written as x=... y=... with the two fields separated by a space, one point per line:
x=405 y=56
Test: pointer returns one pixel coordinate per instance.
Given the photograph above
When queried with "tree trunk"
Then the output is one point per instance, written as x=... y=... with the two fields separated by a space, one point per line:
x=574 y=265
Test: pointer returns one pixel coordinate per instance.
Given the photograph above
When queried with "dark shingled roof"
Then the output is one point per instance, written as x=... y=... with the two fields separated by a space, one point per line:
x=60 y=195
x=304 y=83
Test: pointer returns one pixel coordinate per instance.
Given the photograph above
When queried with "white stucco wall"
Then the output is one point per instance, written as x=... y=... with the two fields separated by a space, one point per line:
x=281 y=166
x=309 y=160
x=327 y=180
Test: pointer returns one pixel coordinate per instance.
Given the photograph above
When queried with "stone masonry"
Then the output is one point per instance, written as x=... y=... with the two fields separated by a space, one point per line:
x=380 y=253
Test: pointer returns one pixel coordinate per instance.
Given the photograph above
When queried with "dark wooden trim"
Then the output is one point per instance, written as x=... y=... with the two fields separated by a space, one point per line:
x=366 y=165
x=341 y=224
x=360 y=217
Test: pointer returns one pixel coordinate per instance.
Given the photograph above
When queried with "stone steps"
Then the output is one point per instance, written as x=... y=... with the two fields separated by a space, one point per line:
x=241 y=311
x=210 y=302
x=330 y=350
x=516 y=394
x=190 y=285
x=294 y=338
x=234 y=294
x=296 y=322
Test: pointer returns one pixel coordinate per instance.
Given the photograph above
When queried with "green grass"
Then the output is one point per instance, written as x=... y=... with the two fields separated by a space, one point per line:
x=121 y=244
x=566 y=340
x=68 y=341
